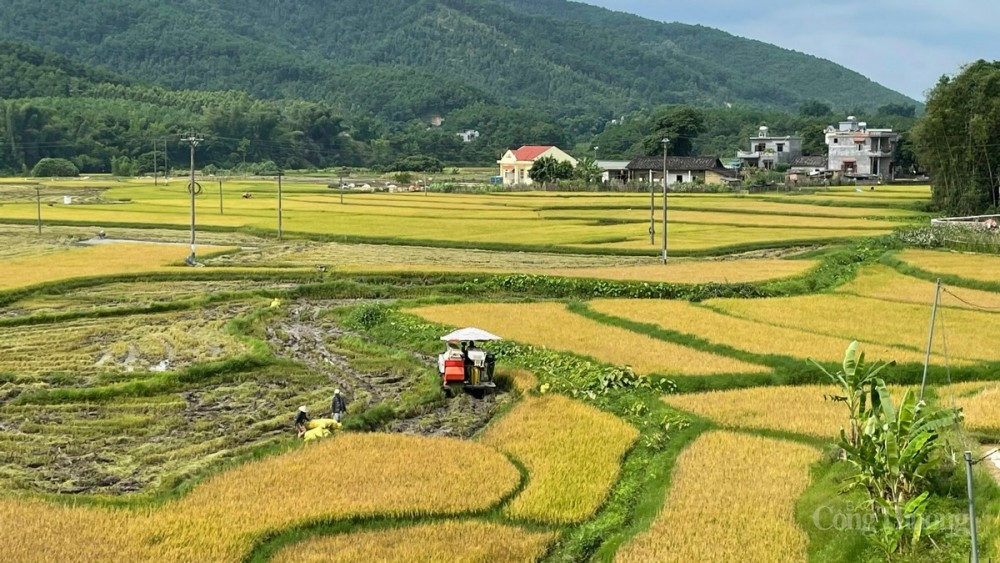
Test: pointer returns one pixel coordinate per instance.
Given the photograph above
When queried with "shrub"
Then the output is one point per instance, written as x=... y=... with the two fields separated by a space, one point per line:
x=54 y=168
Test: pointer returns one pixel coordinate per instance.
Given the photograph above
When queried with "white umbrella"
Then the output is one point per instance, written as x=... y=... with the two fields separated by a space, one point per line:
x=466 y=334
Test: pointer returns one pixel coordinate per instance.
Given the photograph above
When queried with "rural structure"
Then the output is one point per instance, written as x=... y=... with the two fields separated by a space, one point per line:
x=680 y=170
x=515 y=164
x=857 y=151
x=767 y=151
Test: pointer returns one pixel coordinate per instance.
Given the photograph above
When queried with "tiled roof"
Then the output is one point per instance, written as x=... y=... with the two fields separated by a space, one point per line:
x=529 y=153
x=809 y=162
x=676 y=163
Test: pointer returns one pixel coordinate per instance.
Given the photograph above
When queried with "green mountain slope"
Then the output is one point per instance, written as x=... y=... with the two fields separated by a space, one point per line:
x=405 y=59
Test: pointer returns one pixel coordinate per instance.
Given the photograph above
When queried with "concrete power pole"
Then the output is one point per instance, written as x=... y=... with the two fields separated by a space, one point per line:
x=156 y=181
x=666 y=143
x=193 y=188
x=279 y=204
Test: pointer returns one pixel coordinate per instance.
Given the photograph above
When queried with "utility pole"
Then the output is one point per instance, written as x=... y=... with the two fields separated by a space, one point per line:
x=221 y=212
x=166 y=165
x=193 y=188
x=156 y=181
x=666 y=143
x=972 y=507
x=652 y=210
x=279 y=204
x=930 y=338
x=38 y=207
x=341 y=186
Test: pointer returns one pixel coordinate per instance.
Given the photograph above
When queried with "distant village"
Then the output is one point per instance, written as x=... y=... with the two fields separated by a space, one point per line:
x=855 y=153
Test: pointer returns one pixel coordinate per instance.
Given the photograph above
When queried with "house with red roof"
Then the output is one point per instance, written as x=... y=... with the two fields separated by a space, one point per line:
x=515 y=164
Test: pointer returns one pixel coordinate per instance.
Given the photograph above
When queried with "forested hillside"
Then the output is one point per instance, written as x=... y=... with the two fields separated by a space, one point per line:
x=406 y=59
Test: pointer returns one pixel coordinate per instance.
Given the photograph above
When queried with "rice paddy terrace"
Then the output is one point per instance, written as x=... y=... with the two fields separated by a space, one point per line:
x=647 y=412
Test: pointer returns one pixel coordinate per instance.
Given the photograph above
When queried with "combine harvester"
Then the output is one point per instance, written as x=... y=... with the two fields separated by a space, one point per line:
x=465 y=366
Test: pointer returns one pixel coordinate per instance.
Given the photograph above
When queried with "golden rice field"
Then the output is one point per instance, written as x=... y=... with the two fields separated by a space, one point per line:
x=979 y=267
x=587 y=220
x=882 y=282
x=872 y=320
x=770 y=408
x=681 y=271
x=572 y=451
x=732 y=498
x=739 y=333
x=466 y=542
x=100 y=260
x=550 y=325
x=353 y=475
x=979 y=401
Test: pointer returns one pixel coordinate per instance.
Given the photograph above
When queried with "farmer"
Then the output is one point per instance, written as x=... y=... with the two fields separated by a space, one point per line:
x=301 y=418
x=339 y=406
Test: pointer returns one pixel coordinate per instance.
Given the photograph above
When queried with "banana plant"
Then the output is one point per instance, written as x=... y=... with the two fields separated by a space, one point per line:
x=894 y=451
x=856 y=380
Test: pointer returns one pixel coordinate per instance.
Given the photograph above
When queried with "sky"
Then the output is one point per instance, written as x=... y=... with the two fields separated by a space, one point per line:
x=903 y=44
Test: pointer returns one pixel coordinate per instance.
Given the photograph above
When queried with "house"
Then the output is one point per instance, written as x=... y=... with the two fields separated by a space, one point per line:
x=469 y=135
x=515 y=164
x=857 y=151
x=680 y=170
x=766 y=151
x=808 y=165
x=615 y=171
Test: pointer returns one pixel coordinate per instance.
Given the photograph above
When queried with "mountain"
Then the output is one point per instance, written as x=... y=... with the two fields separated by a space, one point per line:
x=405 y=59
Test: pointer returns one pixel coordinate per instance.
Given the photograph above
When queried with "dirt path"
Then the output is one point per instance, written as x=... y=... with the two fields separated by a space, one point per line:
x=304 y=336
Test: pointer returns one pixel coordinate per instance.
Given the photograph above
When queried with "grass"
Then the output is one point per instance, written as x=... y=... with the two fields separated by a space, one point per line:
x=351 y=476
x=732 y=499
x=551 y=325
x=446 y=541
x=572 y=452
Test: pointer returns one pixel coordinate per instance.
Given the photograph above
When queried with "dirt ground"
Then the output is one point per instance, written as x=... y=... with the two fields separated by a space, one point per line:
x=307 y=337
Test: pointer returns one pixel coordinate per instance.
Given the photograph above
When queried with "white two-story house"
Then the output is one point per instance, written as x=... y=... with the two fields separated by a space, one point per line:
x=767 y=151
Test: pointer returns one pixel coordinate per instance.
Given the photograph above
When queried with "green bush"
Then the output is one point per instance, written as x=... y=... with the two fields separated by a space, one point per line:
x=54 y=168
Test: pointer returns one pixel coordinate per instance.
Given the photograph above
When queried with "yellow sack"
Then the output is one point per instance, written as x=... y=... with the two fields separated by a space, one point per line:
x=316 y=434
x=327 y=423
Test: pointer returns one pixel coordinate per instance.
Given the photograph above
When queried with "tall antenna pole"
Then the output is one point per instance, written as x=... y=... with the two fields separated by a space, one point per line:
x=930 y=338
x=193 y=141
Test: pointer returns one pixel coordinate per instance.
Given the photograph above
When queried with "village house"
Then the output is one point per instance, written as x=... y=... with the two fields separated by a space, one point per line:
x=808 y=165
x=680 y=170
x=515 y=164
x=859 y=152
x=767 y=152
x=613 y=171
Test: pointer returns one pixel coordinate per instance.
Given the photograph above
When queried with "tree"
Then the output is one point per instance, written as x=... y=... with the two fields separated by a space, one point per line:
x=856 y=381
x=901 y=110
x=680 y=124
x=815 y=108
x=547 y=170
x=588 y=170
x=54 y=168
x=956 y=139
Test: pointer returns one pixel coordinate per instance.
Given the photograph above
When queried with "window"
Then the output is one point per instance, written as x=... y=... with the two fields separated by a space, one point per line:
x=761 y=147
x=781 y=147
x=836 y=141
x=680 y=179
x=861 y=146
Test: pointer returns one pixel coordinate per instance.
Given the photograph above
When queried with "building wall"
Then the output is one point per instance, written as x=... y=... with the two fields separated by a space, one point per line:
x=515 y=172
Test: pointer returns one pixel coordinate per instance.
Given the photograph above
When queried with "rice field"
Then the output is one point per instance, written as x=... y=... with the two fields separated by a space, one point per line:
x=88 y=347
x=466 y=542
x=732 y=498
x=979 y=401
x=550 y=325
x=100 y=260
x=383 y=475
x=882 y=282
x=572 y=451
x=701 y=221
x=742 y=334
x=894 y=324
x=978 y=267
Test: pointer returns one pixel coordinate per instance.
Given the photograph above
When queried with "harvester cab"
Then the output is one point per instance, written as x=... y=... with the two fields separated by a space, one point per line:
x=464 y=365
